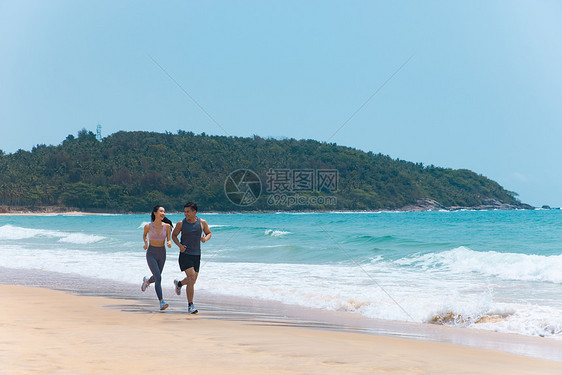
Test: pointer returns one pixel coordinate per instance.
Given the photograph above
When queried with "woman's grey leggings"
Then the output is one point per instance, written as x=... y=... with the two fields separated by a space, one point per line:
x=156 y=257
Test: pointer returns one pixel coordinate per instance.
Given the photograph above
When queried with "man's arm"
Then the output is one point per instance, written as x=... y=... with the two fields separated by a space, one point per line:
x=206 y=230
x=177 y=231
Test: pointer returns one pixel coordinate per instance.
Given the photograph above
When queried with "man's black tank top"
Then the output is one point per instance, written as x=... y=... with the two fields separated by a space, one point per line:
x=191 y=236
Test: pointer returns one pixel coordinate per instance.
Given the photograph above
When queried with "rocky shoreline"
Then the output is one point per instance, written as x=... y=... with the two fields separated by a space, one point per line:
x=424 y=204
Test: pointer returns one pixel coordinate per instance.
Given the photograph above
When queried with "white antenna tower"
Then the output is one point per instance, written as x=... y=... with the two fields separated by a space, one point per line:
x=98 y=135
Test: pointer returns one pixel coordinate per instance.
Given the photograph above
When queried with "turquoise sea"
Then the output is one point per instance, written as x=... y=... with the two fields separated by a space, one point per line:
x=486 y=270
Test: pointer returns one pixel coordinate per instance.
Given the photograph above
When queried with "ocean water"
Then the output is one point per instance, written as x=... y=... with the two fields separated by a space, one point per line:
x=488 y=270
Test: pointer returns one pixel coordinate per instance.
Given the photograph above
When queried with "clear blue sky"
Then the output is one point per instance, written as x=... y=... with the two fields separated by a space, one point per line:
x=482 y=90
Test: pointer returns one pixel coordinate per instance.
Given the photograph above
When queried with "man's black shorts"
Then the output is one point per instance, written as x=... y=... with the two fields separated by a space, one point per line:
x=187 y=261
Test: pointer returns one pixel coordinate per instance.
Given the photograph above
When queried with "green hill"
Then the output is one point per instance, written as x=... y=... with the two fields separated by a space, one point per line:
x=133 y=171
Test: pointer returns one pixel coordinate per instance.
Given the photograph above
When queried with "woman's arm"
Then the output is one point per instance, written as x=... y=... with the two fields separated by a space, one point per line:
x=146 y=229
x=169 y=234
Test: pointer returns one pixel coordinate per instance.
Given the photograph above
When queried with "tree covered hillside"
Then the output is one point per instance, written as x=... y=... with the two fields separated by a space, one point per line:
x=133 y=171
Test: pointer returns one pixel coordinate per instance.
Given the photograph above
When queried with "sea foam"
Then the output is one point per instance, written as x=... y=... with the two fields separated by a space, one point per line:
x=80 y=238
x=10 y=232
x=509 y=266
x=275 y=233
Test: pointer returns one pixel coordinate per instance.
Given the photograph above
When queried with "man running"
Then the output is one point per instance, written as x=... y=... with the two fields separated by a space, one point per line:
x=191 y=229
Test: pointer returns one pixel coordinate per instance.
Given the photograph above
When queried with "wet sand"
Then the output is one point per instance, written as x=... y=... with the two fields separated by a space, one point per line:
x=52 y=331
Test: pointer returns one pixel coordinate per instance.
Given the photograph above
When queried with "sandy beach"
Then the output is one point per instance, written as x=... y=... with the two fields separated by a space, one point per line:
x=51 y=213
x=45 y=331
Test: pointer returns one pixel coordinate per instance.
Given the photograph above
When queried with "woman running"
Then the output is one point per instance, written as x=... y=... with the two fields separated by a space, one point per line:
x=158 y=231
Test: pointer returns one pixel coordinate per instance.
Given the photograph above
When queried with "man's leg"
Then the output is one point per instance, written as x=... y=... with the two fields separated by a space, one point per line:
x=189 y=282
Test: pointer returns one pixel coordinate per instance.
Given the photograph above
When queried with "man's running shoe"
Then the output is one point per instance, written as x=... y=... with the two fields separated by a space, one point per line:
x=191 y=309
x=163 y=305
x=178 y=287
x=144 y=283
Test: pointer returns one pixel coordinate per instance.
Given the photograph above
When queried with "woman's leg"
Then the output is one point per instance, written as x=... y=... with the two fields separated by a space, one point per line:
x=153 y=263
